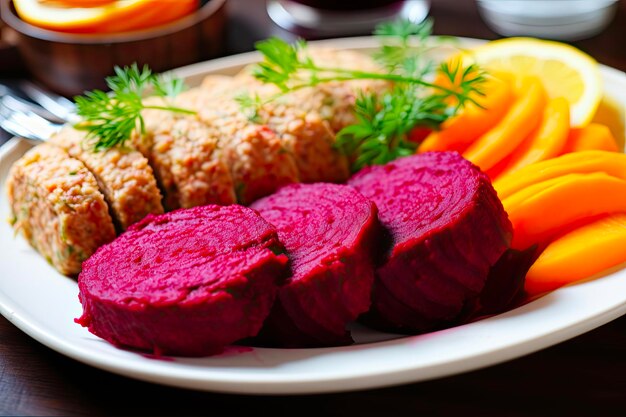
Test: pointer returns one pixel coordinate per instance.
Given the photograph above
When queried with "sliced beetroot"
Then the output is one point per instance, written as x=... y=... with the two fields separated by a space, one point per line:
x=447 y=228
x=184 y=283
x=328 y=231
x=505 y=284
x=504 y=287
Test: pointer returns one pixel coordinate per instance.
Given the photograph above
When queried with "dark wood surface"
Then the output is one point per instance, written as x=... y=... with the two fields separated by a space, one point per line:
x=584 y=376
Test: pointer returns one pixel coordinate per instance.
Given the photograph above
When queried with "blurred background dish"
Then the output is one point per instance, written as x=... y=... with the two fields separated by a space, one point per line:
x=70 y=63
x=552 y=19
x=340 y=18
x=102 y=16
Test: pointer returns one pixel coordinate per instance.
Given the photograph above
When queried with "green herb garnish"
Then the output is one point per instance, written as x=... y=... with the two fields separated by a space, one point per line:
x=383 y=123
x=110 y=118
x=402 y=44
x=250 y=105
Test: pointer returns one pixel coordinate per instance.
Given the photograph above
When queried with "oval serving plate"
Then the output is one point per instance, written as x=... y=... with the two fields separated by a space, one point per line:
x=43 y=303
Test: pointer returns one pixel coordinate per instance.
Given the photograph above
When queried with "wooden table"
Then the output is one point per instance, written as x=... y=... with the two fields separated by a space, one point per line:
x=584 y=376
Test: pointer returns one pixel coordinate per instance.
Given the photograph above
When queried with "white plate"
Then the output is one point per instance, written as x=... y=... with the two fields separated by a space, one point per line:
x=43 y=303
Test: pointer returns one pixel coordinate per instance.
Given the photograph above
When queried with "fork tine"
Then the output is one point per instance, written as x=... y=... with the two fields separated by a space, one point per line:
x=55 y=104
x=26 y=124
x=35 y=124
x=18 y=104
x=17 y=130
x=35 y=89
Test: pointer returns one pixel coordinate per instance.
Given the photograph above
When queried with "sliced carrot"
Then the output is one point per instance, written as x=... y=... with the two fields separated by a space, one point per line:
x=473 y=121
x=521 y=119
x=512 y=202
x=542 y=210
x=593 y=136
x=581 y=253
x=546 y=141
x=583 y=162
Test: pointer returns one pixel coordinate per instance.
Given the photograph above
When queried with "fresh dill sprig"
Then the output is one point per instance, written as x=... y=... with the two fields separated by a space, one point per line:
x=383 y=123
x=383 y=126
x=293 y=70
x=469 y=81
x=110 y=118
x=288 y=67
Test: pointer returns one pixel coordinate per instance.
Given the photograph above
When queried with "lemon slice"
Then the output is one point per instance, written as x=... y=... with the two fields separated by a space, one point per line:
x=564 y=70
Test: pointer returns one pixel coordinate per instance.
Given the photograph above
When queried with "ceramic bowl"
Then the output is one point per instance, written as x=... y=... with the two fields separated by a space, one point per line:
x=72 y=63
x=567 y=20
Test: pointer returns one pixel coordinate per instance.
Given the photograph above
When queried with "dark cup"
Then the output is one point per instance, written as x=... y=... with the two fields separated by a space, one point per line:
x=346 y=5
x=323 y=18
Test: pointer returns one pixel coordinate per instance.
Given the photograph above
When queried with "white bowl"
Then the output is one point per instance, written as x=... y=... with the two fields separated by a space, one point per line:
x=553 y=19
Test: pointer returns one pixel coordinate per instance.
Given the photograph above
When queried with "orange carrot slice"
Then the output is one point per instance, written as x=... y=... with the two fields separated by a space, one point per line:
x=546 y=141
x=521 y=119
x=542 y=210
x=593 y=136
x=473 y=121
x=579 y=254
x=583 y=162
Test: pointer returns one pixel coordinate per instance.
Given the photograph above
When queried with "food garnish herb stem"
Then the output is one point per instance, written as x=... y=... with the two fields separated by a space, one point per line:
x=110 y=118
x=384 y=121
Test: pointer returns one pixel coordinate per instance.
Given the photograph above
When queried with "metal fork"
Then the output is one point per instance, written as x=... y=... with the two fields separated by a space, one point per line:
x=56 y=105
x=26 y=124
x=37 y=120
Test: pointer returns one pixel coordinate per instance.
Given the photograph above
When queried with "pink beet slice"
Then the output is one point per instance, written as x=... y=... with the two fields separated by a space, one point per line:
x=184 y=283
x=448 y=228
x=328 y=231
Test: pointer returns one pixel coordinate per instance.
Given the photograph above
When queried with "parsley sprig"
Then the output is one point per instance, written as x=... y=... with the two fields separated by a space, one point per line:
x=383 y=122
x=110 y=118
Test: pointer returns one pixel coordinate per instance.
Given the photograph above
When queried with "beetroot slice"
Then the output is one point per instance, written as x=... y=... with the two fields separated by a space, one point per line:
x=328 y=231
x=505 y=284
x=184 y=283
x=448 y=228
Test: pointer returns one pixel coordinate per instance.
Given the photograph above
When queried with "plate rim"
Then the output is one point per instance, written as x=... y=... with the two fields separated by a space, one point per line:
x=295 y=384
